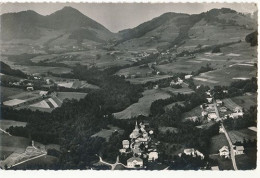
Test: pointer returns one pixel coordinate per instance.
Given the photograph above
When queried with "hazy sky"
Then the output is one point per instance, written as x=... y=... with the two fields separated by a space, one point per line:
x=120 y=16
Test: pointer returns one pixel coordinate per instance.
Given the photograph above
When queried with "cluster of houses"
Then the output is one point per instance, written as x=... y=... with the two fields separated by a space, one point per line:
x=141 y=146
x=192 y=152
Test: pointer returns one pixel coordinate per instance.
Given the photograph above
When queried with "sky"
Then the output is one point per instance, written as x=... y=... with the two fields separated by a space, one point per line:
x=116 y=17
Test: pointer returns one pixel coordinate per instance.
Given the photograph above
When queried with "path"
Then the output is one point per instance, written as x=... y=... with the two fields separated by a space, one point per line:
x=232 y=153
x=44 y=154
x=5 y=132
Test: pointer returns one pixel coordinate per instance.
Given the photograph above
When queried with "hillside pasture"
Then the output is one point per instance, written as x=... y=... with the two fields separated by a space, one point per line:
x=142 y=107
x=184 y=90
x=43 y=69
x=194 y=112
x=136 y=70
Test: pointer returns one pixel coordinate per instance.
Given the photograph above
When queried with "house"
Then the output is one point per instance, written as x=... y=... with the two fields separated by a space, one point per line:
x=238 y=109
x=136 y=132
x=210 y=100
x=219 y=102
x=123 y=150
x=224 y=151
x=215 y=168
x=156 y=87
x=221 y=130
x=193 y=152
x=212 y=116
x=43 y=93
x=223 y=109
x=239 y=150
x=125 y=143
x=208 y=93
x=135 y=162
x=187 y=76
x=204 y=113
x=225 y=91
x=152 y=156
x=29 y=89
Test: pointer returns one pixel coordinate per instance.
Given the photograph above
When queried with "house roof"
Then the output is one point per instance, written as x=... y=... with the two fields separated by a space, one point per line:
x=215 y=168
x=135 y=159
x=224 y=148
x=125 y=142
x=239 y=148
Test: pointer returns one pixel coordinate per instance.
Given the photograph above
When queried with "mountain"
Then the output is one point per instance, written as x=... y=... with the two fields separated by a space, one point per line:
x=172 y=29
x=30 y=25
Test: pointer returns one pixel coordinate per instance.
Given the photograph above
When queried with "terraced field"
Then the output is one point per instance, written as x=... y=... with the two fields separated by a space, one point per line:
x=240 y=135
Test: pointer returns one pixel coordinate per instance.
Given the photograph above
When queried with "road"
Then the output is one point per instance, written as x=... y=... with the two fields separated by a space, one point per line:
x=113 y=166
x=232 y=152
x=44 y=154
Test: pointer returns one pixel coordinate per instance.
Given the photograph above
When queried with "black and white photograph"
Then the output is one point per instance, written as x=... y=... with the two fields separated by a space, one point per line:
x=128 y=86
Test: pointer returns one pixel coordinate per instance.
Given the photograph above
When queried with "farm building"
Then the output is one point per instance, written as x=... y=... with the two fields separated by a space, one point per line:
x=239 y=150
x=193 y=118
x=125 y=143
x=29 y=89
x=43 y=93
x=152 y=156
x=134 y=162
x=224 y=151
x=178 y=82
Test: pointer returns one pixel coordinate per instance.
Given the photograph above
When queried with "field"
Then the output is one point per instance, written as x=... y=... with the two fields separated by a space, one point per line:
x=217 y=142
x=184 y=90
x=226 y=76
x=142 y=107
x=246 y=101
x=194 y=112
x=6 y=92
x=137 y=70
x=147 y=79
x=230 y=104
x=240 y=135
x=106 y=133
x=173 y=104
x=5 y=124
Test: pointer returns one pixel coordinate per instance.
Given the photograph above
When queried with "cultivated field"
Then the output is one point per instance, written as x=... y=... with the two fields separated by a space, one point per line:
x=240 y=135
x=230 y=104
x=142 y=107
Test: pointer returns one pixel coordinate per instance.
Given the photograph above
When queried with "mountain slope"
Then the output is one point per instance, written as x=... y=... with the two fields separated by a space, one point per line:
x=172 y=29
x=29 y=24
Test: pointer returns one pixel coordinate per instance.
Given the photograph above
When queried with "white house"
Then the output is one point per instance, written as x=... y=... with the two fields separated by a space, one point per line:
x=239 y=150
x=193 y=152
x=224 y=151
x=134 y=162
x=152 y=156
x=187 y=76
x=29 y=89
x=238 y=109
x=125 y=143
x=215 y=168
x=178 y=82
x=43 y=93
x=223 y=109
x=204 y=113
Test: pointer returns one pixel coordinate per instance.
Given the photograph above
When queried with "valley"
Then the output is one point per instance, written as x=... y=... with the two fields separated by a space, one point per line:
x=67 y=81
